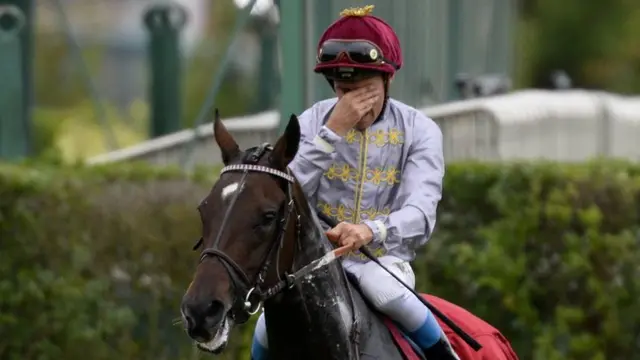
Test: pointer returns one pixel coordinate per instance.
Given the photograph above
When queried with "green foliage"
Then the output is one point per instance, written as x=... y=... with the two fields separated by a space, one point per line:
x=57 y=76
x=66 y=123
x=94 y=261
x=76 y=133
x=236 y=93
x=594 y=41
x=547 y=253
x=233 y=100
x=80 y=276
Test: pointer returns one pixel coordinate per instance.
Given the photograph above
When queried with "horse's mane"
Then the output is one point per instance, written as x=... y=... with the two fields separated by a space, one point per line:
x=309 y=212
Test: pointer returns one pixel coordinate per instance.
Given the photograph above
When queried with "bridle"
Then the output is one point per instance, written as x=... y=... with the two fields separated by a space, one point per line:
x=252 y=292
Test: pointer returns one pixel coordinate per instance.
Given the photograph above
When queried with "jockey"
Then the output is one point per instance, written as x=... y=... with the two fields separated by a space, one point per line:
x=375 y=165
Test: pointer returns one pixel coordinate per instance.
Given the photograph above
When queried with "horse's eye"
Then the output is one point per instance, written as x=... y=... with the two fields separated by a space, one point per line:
x=268 y=217
x=198 y=244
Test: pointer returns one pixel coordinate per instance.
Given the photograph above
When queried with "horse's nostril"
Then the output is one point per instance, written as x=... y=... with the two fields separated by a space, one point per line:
x=215 y=311
x=189 y=323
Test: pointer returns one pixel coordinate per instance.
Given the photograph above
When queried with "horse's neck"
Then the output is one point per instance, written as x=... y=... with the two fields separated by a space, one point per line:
x=315 y=319
x=313 y=244
x=319 y=308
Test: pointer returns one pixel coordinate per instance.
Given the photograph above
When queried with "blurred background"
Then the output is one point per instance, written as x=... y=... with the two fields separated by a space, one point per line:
x=83 y=78
x=106 y=82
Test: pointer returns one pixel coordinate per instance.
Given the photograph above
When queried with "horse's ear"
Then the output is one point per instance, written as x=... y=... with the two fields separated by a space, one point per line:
x=228 y=146
x=287 y=146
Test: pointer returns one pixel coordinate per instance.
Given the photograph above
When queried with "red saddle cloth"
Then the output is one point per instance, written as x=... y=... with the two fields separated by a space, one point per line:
x=494 y=345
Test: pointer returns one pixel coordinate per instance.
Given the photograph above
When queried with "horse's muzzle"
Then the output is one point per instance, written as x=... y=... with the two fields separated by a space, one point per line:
x=202 y=320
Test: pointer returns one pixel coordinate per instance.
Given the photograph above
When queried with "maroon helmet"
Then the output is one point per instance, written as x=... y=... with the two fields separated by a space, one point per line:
x=358 y=43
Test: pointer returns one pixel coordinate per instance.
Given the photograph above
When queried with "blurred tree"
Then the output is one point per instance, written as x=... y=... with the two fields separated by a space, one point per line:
x=58 y=83
x=64 y=123
x=589 y=39
x=235 y=96
x=268 y=86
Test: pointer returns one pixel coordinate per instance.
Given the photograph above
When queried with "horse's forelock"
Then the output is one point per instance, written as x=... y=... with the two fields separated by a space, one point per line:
x=255 y=154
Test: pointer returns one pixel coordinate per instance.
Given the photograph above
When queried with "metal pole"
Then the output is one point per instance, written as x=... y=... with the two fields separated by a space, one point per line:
x=164 y=22
x=454 y=12
x=218 y=77
x=292 y=30
x=98 y=107
x=28 y=8
x=14 y=139
x=267 y=79
x=319 y=15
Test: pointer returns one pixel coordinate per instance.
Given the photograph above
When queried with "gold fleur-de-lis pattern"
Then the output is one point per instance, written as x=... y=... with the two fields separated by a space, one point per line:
x=342 y=212
x=342 y=172
x=359 y=174
x=378 y=137
x=376 y=176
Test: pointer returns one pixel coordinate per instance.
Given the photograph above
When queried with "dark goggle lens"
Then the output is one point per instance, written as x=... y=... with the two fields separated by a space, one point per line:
x=360 y=52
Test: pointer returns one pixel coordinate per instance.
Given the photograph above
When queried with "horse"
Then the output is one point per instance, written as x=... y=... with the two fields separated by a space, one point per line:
x=263 y=245
x=258 y=229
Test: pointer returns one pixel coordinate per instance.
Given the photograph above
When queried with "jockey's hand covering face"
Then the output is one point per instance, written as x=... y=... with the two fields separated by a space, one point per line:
x=354 y=104
x=353 y=235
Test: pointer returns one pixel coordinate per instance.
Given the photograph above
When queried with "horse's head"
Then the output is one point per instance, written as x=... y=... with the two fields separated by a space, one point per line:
x=247 y=219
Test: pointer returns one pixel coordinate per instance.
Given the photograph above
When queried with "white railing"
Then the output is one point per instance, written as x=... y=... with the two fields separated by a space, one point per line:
x=198 y=146
x=564 y=126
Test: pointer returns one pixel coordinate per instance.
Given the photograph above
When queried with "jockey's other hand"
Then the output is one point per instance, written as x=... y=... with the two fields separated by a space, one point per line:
x=352 y=107
x=353 y=235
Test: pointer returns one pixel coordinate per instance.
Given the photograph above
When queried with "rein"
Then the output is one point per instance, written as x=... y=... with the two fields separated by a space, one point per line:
x=465 y=336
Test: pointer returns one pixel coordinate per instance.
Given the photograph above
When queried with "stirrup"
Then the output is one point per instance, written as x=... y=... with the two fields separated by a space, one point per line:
x=442 y=350
x=452 y=352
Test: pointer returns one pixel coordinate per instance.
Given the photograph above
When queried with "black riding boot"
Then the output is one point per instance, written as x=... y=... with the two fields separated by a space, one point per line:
x=441 y=350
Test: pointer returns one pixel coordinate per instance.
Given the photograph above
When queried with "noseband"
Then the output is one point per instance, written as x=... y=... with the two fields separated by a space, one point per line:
x=252 y=293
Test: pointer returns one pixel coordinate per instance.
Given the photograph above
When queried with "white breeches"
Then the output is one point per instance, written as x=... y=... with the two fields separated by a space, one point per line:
x=382 y=290
x=386 y=294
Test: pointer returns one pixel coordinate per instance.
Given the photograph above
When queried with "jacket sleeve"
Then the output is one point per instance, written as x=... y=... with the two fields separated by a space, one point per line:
x=419 y=192
x=316 y=152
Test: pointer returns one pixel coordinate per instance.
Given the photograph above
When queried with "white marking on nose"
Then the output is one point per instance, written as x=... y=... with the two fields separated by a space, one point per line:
x=229 y=190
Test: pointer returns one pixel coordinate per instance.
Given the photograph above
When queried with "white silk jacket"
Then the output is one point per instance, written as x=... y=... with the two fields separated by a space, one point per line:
x=388 y=177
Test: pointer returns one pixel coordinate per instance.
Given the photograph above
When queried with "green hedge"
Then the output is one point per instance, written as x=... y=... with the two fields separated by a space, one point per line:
x=94 y=261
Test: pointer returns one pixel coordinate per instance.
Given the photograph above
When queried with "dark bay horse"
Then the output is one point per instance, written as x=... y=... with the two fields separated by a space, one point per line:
x=259 y=230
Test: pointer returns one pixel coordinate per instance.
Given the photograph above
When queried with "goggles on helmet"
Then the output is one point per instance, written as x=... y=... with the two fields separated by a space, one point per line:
x=358 y=51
